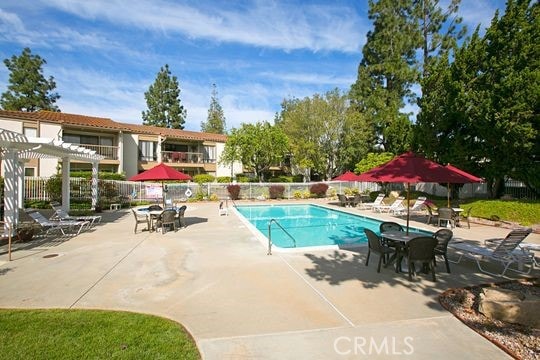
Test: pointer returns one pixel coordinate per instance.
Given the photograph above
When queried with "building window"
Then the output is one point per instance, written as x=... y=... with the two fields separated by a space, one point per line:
x=30 y=132
x=147 y=150
x=210 y=154
x=29 y=172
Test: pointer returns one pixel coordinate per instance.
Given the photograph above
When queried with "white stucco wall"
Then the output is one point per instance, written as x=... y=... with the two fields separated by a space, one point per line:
x=131 y=154
x=47 y=167
x=11 y=125
x=225 y=170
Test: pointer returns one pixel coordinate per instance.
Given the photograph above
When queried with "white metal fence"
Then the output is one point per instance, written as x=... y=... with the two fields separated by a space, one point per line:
x=114 y=190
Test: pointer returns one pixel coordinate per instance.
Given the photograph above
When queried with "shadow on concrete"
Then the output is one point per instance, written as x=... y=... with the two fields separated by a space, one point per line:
x=192 y=220
x=349 y=265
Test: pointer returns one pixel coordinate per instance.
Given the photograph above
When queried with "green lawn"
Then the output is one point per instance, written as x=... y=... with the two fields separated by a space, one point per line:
x=91 y=334
x=523 y=212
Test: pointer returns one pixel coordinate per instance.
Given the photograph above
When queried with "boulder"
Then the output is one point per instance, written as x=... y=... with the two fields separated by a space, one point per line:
x=510 y=306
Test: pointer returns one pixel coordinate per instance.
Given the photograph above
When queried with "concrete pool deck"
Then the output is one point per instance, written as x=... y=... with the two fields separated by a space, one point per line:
x=215 y=278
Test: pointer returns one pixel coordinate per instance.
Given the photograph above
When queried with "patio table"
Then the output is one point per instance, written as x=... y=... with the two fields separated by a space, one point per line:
x=403 y=238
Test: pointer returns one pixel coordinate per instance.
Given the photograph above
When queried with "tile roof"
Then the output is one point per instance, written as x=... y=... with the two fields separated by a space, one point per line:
x=106 y=123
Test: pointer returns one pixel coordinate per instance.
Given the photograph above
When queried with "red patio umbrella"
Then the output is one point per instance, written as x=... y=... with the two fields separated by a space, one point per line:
x=160 y=172
x=412 y=168
x=346 y=176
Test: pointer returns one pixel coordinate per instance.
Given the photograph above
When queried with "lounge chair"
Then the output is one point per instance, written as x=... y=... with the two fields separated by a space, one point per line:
x=421 y=249
x=60 y=214
x=378 y=201
x=507 y=252
x=397 y=207
x=443 y=237
x=375 y=245
x=418 y=206
x=52 y=225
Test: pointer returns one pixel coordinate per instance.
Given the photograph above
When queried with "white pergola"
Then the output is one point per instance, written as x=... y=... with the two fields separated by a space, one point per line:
x=17 y=148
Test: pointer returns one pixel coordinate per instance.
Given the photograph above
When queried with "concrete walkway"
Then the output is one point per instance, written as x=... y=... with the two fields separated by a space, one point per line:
x=215 y=278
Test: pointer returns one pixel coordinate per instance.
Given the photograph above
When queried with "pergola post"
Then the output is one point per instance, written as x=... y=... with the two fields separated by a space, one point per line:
x=11 y=213
x=65 y=184
x=95 y=192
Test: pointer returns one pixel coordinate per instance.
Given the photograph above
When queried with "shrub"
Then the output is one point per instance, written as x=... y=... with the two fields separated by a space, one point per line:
x=101 y=175
x=213 y=197
x=203 y=178
x=234 y=191
x=281 y=179
x=276 y=191
x=223 y=179
x=319 y=189
x=54 y=188
x=298 y=178
x=297 y=194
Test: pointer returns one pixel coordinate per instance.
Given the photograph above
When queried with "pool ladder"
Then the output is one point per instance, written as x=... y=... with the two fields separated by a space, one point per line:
x=270 y=235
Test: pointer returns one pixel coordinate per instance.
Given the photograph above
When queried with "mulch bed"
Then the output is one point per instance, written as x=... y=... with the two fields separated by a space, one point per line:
x=519 y=341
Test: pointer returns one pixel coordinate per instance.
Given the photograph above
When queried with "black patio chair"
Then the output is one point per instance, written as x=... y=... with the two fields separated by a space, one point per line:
x=166 y=219
x=342 y=200
x=447 y=216
x=180 y=216
x=140 y=219
x=421 y=249
x=375 y=245
x=443 y=237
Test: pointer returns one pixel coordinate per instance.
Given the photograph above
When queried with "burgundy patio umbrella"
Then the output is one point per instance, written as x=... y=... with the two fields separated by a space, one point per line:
x=160 y=172
x=412 y=168
x=346 y=176
x=471 y=178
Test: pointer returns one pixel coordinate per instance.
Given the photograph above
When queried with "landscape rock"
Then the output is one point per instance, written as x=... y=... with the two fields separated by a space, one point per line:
x=510 y=306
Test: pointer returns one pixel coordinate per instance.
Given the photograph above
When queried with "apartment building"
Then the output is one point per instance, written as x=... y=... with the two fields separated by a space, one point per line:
x=127 y=148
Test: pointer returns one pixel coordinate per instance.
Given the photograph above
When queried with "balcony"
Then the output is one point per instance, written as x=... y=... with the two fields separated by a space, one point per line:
x=110 y=152
x=180 y=157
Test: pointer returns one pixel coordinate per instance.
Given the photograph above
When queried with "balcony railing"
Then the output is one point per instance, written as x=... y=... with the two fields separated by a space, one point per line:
x=183 y=157
x=110 y=152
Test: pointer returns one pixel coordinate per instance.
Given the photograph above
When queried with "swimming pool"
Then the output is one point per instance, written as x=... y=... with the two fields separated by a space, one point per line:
x=310 y=225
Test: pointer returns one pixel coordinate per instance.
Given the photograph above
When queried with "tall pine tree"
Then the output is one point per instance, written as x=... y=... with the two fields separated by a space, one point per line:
x=28 y=89
x=386 y=72
x=215 y=122
x=163 y=102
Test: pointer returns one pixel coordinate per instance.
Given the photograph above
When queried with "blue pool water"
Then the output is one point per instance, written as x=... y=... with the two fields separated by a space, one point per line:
x=310 y=225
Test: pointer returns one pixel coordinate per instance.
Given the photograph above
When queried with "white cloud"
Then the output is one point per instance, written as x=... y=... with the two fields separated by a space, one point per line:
x=479 y=12
x=267 y=24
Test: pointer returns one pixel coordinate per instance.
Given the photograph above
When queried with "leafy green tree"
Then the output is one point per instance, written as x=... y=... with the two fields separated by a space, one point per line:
x=372 y=160
x=482 y=114
x=316 y=129
x=215 y=123
x=386 y=72
x=258 y=146
x=28 y=89
x=163 y=102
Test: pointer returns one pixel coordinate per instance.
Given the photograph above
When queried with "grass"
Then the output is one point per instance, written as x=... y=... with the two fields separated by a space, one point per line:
x=92 y=334
x=523 y=212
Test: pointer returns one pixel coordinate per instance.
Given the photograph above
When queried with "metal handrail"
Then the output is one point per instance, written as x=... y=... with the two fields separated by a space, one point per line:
x=270 y=235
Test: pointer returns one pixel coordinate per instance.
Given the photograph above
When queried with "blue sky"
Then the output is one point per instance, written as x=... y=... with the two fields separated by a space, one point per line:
x=104 y=54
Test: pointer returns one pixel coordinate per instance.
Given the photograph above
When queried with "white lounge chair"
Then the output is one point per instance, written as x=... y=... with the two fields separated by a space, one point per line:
x=60 y=214
x=418 y=205
x=507 y=252
x=397 y=207
x=378 y=201
x=51 y=225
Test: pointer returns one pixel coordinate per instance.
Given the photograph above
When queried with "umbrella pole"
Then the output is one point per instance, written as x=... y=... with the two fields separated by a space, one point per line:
x=448 y=194
x=408 y=198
